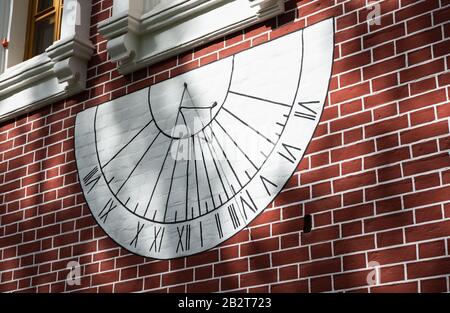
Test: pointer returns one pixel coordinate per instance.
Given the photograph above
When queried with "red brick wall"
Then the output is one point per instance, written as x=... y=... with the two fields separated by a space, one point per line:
x=375 y=178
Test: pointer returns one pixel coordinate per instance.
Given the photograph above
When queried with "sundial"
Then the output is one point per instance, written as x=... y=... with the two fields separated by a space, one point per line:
x=181 y=166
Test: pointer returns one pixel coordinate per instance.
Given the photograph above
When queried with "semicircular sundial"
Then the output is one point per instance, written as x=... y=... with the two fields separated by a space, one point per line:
x=179 y=167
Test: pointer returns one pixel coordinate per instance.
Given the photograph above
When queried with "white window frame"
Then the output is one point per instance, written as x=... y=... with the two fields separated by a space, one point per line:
x=137 y=38
x=57 y=73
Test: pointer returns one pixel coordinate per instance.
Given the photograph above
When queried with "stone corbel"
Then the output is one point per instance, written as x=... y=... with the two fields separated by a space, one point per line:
x=122 y=40
x=70 y=57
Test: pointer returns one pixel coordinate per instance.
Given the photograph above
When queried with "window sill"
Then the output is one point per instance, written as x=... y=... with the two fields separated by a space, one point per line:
x=57 y=73
x=136 y=41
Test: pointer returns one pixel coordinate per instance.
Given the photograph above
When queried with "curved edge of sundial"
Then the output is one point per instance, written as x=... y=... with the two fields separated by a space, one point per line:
x=168 y=241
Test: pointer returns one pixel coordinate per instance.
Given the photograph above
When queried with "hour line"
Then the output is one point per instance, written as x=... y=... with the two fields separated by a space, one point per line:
x=196 y=177
x=246 y=124
x=224 y=154
x=206 y=170
x=214 y=157
x=171 y=182
x=137 y=164
x=131 y=140
x=157 y=179
x=246 y=156
x=261 y=99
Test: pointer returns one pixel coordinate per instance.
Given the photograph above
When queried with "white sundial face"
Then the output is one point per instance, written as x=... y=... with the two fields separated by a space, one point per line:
x=179 y=167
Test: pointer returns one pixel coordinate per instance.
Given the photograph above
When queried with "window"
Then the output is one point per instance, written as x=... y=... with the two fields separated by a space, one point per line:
x=44 y=25
x=45 y=59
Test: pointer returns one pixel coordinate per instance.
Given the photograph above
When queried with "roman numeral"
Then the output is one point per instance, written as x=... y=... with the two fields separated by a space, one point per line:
x=265 y=181
x=288 y=148
x=247 y=204
x=201 y=234
x=109 y=206
x=139 y=228
x=218 y=225
x=157 y=238
x=234 y=217
x=306 y=112
x=92 y=178
x=184 y=237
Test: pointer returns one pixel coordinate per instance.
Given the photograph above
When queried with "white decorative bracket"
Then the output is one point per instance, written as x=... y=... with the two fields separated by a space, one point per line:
x=143 y=32
x=57 y=73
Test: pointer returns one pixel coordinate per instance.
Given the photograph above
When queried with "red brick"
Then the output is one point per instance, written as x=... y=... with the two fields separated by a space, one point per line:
x=323 y=204
x=290 y=287
x=354 y=261
x=177 y=277
x=351 y=121
x=383 y=35
x=388 y=189
x=428 y=214
x=423 y=85
x=388 y=157
x=432 y=249
x=426 y=181
x=415 y=9
x=428 y=231
x=292 y=225
x=386 y=96
x=321 y=284
x=290 y=256
x=421 y=101
x=419 y=56
x=129 y=286
x=291 y=196
x=319 y=174
x=260 y=246
x=351 y=62
x=105 y=278
x=387 y=142
x=384 y=67
x=350 y=280
x=389 y=173
x=361 y=243
x=386 y=126
x=384 y=51
x=418 y=40
x=204 y=286
x=231 y=267
x=321 y=250
x=352 y=151
x=436 y=285
x=384 y=82
x=351 y=229
x=388 y=221
x=325 y=143
x=423 y=148
x=320 y=267
x=322 y=234
x=428 y=268
x=349 y=93
x=416 y=72
x=393 y=255
x=259 y=262
x=426 y=164
x=258 y=278
x=396 y=288
x=354 y=212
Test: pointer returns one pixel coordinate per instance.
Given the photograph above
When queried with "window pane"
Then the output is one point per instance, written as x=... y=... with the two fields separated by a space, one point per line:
x=44 y=35
x=44 y=4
